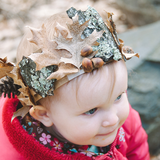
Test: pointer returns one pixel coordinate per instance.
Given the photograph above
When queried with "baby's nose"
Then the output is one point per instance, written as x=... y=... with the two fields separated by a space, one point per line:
x=111 y=120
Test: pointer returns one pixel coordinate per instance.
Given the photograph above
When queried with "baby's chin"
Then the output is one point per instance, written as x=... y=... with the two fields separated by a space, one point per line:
x=103 y=141
x=103 y=144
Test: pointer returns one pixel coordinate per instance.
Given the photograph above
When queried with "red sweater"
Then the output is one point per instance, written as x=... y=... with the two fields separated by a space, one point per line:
x=17 y=144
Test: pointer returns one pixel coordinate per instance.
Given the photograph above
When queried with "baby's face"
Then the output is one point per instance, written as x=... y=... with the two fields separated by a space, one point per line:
x=93 y=113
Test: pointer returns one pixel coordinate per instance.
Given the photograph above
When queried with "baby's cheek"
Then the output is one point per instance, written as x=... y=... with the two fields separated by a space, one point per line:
x=123 y=111
x=82 y=135
x=127 y=106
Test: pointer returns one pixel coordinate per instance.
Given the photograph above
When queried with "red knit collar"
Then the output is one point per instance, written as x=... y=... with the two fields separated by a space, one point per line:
x=41 y=134
x=26 y=144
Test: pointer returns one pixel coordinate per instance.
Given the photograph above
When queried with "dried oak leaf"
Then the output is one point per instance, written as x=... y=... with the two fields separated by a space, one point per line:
x=128 y=52
x=35 y=96
x=109 y=22
x=75 y=44
x=112 y=27
x=49 y=54
x=63 y=31
x=64 y=69
x=25 y=96
x=21 y=112
x=121 y=45
x=5 y=67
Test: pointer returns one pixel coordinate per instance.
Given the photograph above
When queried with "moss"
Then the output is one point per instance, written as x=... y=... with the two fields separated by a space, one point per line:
x=37 y=80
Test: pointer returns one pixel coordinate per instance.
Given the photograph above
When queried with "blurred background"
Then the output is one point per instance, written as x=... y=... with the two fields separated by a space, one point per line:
x=138 y=24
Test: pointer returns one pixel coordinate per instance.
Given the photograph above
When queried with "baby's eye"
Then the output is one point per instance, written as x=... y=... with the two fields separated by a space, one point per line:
x=92 y=111
x=119 y=97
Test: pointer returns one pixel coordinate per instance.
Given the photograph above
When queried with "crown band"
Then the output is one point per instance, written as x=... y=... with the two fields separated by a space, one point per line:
x=86 y=44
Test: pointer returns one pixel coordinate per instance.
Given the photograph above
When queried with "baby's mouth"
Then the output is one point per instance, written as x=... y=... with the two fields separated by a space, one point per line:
x=105 y=134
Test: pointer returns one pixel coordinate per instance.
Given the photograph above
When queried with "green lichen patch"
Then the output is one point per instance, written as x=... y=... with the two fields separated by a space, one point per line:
x=37 y=80
x=107 y=51
x=107 y=48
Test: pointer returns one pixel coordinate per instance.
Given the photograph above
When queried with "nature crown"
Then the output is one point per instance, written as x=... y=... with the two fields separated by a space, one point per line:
x=86 y=44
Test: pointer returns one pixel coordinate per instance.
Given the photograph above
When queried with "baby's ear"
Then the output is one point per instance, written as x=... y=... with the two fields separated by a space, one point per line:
x=40 y=113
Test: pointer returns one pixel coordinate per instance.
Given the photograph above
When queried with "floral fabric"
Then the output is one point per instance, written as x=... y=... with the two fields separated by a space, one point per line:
x=38 y=131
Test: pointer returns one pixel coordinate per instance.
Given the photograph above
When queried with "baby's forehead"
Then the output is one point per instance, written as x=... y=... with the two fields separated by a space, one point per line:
x=91 y=90
x=91 y=85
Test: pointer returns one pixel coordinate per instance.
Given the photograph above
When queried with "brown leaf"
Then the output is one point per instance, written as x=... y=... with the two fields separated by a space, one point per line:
x=43 y=59
x=60 y=30
x=35 y=96
x=128 y=52
x=109 y=22
x=25 y=96
x=112 y=27
x=76 y=44
x=64 y=69
x=4 y=60
x=5 y=67
x=49 y=55
x=130 y=55
x=21 y=112
x=25 y=100
x=76 y=29
x=15 y=75
x=121 y=44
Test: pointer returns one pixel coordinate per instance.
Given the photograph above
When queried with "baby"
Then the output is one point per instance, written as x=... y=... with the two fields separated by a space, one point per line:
x=72 y=79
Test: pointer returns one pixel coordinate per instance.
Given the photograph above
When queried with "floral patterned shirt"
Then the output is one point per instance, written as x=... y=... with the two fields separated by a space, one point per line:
x=38 y=131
